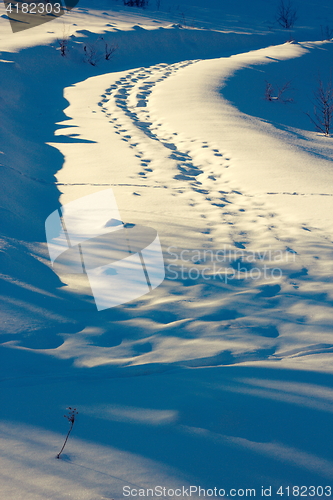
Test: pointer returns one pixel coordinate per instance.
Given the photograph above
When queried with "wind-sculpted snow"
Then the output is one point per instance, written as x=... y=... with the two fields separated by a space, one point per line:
x=242 y=283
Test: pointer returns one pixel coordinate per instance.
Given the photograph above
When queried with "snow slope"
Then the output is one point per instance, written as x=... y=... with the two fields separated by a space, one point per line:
x=221 y=377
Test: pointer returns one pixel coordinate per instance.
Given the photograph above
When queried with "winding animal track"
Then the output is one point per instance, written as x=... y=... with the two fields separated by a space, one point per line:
x=201 y=172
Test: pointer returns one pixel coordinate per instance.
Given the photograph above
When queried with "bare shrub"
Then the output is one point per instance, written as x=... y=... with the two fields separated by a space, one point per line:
x=273 y=93
x=63 y=41
x=322 y=117
x=286 y=14
x=94 y=51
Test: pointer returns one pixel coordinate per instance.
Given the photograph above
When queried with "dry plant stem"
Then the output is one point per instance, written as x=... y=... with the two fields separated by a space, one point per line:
x=71 y=418
x=63 y=446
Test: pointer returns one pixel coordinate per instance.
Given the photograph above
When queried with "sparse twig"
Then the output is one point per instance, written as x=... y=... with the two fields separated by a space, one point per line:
x=110 y=50
x=72 y=413
x=92 y=53
x=282 y=90
x=326 y=32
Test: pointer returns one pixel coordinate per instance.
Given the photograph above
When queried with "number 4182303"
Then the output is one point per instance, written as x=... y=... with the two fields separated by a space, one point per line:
x=305 y=491
x=34 y=8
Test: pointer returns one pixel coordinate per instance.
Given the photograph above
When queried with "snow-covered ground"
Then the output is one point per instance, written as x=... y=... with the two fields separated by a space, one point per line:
x=222 y=376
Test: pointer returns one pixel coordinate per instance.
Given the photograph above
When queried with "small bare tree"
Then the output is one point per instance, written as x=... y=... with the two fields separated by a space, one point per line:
x=322 y=117
x=286 y=14
x=276 y=94
x=72 y=413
